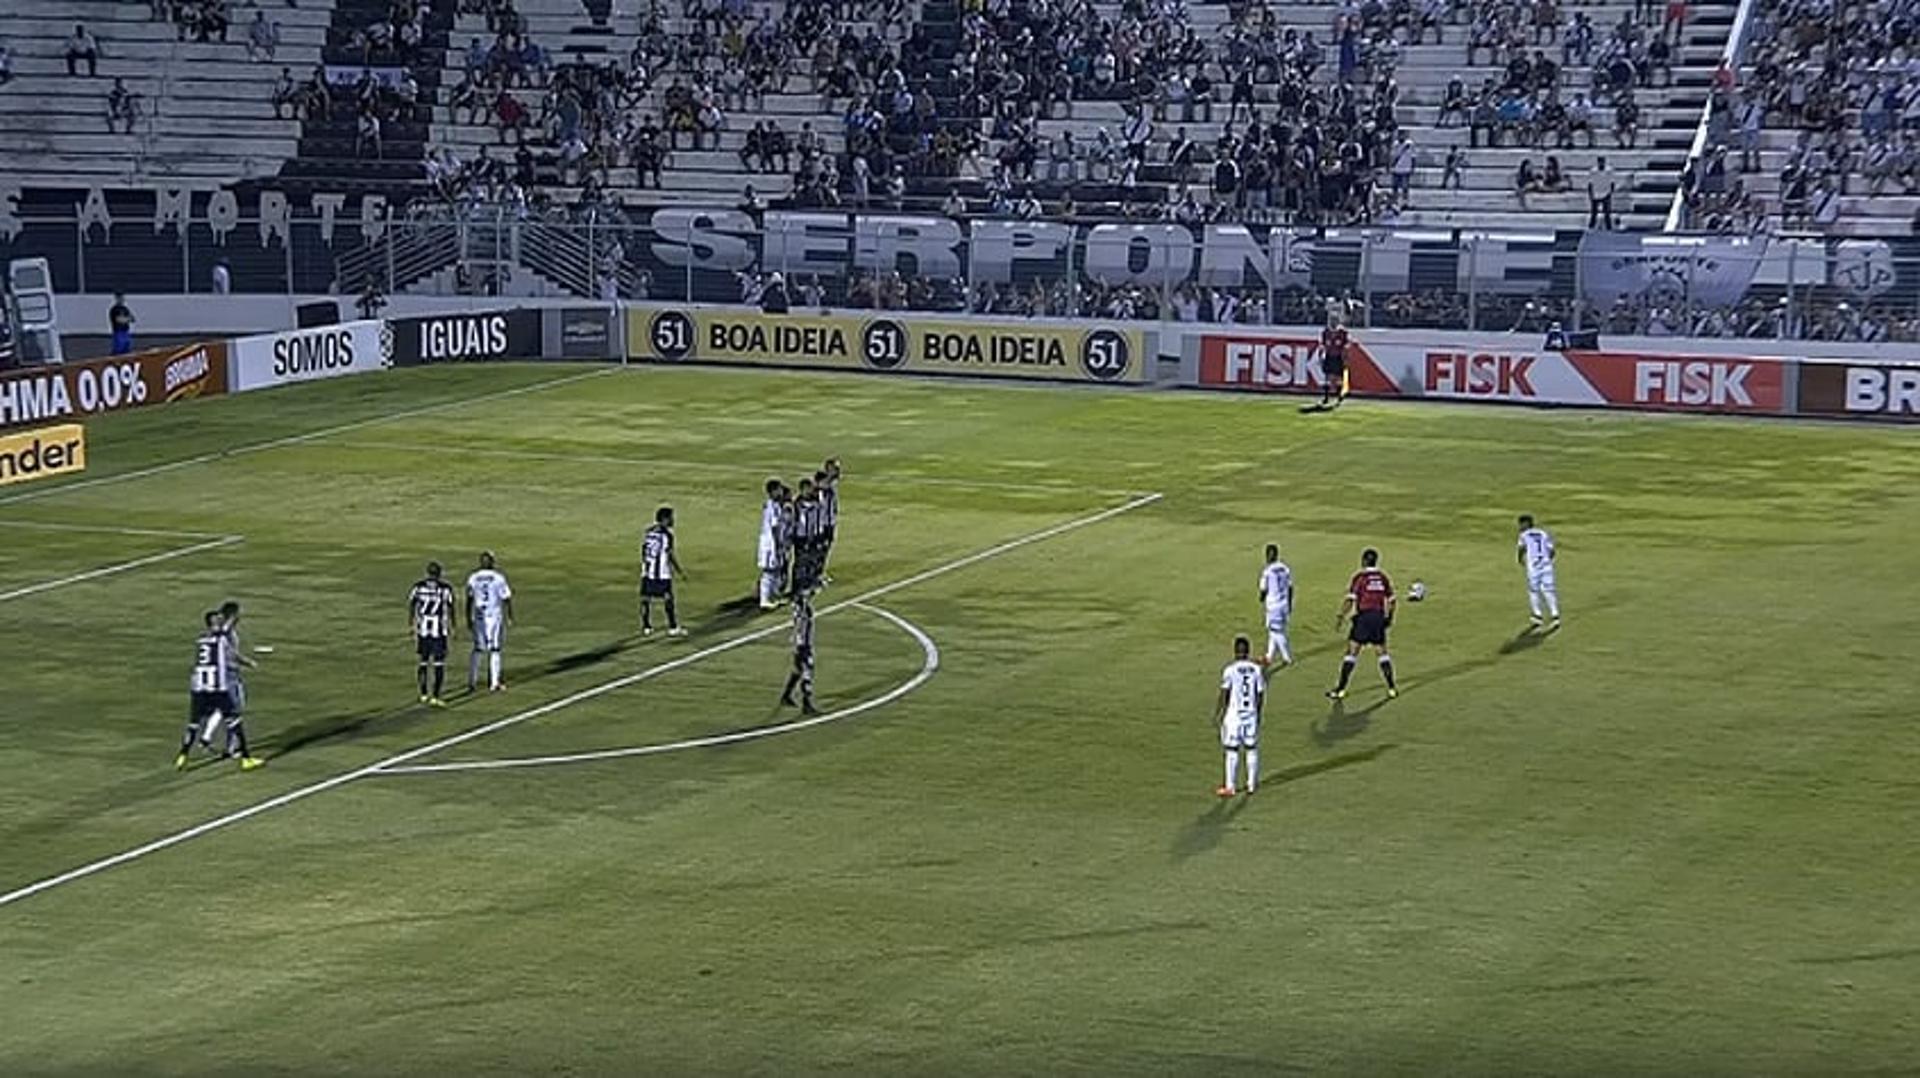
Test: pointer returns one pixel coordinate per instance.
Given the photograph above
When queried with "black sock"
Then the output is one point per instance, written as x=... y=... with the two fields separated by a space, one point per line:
x=787 y=693
x=421 y=676
x=1386 y=670
x=192 y=735
x=237 y=737
x=673 y=619
x=646 y=613
x=439 y=677
x=1346 y=673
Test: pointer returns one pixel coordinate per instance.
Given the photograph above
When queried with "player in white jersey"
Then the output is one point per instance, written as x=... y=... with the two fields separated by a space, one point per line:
x=772 y=555
x=489 y=612
x=1276 y=592
x=1243 y=690
x=1536 y=557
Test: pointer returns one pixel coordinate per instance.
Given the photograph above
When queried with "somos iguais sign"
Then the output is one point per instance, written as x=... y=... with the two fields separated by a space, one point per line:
x=889 y=343
x=466 y=337
x=43 y=453
x=1502 y=370
x=78 y=390
x=306 y=355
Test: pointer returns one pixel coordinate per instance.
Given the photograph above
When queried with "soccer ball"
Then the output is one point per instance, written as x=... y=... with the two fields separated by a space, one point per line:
x=1417 y=592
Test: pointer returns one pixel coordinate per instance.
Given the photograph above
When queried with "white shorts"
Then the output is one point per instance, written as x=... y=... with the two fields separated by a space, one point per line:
x=489 y=633
x=1540 y=581
x=770 y=555
x=1277 y=618
x=1239 y=733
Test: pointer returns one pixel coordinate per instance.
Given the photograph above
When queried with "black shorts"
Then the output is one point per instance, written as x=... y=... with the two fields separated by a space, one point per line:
x=431 y=648
x=1334 y=369
x=202 y=704
x=1369 y=627
x=655 y=589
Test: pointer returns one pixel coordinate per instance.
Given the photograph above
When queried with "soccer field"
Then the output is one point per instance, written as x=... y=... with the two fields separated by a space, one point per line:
x=1675 y=837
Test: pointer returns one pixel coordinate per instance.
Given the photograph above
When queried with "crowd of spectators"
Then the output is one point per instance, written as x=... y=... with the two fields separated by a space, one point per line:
x=1837 y=73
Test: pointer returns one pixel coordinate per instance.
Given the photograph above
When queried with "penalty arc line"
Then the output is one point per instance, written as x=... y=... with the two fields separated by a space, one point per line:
x=345 y=777
x=928 y=666
x=299 y=439
x=125 y=566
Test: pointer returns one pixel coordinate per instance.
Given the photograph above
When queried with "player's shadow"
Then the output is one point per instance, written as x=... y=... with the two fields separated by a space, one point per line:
x=331 y=728
x=1203 y=833
x=1527 y=639
x=1320 y=767
x=1342 y=724
x=1318 y=407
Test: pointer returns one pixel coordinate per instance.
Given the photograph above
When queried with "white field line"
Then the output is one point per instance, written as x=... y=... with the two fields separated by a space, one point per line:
x=108 y=529
x=297 y=439
x=930 y=663
x=303 y=792
x=745 y=469
x=125 y=566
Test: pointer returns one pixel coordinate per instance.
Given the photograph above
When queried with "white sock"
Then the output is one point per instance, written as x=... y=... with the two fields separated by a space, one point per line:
x=1533 y=600
x=1553 y=603
x=1277 y=645
x=1253 y=768
x=473 y=668
x=493 y=668
x=1233 y=766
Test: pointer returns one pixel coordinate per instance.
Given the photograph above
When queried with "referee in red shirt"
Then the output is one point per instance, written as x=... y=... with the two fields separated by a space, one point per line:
x=1370 y=601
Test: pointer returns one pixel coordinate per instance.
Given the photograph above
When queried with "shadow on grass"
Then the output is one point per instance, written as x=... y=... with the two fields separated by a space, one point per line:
x=1204 y=832
x=1527 y=639
x=333 y=728
x=1894 y=955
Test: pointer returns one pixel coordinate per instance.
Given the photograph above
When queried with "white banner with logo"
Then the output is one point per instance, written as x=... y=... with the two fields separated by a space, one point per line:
x=306 y=355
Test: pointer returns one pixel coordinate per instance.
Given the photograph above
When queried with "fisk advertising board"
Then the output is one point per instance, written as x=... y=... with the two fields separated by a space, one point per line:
x=890 y=343
x=1498 y=369
x=307 y=355
x=96 y=387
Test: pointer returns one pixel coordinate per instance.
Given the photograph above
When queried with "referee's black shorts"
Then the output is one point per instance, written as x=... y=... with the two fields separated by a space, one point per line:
x=1369 y=627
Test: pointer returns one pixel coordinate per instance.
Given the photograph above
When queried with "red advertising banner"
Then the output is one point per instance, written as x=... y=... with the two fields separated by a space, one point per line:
x=1283 y=365
x=80 y=390
x=1685 y=383
x=1498 y=368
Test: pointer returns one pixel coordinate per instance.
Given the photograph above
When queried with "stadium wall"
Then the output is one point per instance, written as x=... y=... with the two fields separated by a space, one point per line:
x=1723 y=377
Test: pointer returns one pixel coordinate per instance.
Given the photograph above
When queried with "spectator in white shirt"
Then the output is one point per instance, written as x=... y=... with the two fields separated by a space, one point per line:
x=1601 y=184
x=83 y=47
x=222 y=278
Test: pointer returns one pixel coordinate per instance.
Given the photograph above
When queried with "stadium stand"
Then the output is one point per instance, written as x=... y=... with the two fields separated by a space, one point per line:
x=200 y=113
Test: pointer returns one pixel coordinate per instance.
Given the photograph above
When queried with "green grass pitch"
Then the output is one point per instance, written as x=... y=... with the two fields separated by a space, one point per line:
x=1676 y=838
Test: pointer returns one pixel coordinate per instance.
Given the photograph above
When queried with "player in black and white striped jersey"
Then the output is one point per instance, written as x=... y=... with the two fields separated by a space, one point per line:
x=659 y=564
x=827 y=482
x=802 y=674
x=210 y=692
x=809 y=538
x=430 y=609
